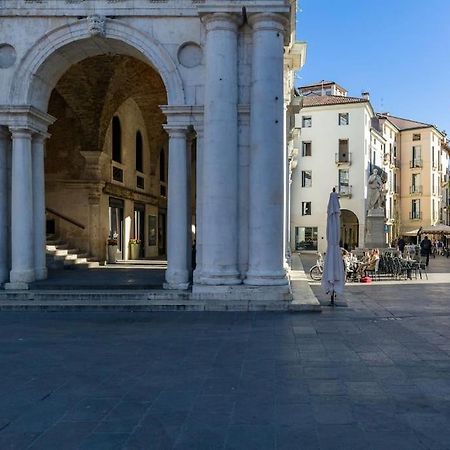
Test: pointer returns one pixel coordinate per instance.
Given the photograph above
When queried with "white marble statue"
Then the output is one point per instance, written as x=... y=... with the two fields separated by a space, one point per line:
x=375 y=194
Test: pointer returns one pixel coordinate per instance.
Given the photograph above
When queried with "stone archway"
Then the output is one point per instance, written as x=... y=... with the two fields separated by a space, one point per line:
x=35 y=78
x=52 y=55
x=349 y=229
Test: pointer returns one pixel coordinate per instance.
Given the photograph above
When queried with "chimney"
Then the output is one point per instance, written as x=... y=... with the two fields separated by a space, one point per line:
x=365 y=95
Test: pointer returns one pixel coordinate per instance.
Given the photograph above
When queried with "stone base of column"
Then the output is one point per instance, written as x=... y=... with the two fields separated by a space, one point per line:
x=16 y=286
x=219 y=279
x=197 y=275
x=266 y=279
x=22 y=276
x=242 y=294
x=41 y=274
x=176 y=286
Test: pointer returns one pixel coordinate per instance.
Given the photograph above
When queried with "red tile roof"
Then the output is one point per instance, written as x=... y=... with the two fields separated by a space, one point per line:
x=324 y=100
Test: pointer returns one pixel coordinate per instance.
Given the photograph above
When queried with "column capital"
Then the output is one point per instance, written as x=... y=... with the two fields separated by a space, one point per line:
x=40 y=137
x=176 y=130
x=268 y=21
x=21 y=133
x=221 y=21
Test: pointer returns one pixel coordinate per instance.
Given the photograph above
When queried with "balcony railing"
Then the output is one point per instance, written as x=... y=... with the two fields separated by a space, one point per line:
x=344 y=191
x=415 y=189
x=415 y=163
x=343 y=159
x=415 y=215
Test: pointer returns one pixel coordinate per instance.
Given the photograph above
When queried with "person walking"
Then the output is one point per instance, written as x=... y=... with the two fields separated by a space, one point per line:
x=425 y=248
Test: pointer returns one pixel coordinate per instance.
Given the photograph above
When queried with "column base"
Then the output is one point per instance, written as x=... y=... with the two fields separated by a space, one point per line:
x=17 y=286
x=176 y=286
x=197 y=275
x=22 y=276
x=219 y=279
x=41 y=273
x=266 y=279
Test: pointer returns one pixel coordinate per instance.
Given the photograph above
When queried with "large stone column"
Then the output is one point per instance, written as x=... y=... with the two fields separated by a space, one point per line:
x=220 y=157
x=266 y=259
x=4 y=214
x=177 y=275
x=22 y=242
x=39 y=223
x=199 y=205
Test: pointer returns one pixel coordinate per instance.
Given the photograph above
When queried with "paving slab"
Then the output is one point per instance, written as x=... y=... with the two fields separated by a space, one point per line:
x=373 y=375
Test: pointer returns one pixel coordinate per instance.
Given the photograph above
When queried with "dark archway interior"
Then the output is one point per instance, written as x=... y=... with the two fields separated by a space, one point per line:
x=85 y=99
x=349 y=229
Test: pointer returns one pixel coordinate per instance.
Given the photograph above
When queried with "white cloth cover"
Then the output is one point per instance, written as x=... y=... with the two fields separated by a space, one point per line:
x=333 y=277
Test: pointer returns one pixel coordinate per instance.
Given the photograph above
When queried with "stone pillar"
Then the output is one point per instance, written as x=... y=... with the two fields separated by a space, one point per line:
x=39 y=224
x=4 y=213
x=22 y=242
x=266 y=259
x=97 y=236
x=220 y=157
x=199 y=206
x=177 y=275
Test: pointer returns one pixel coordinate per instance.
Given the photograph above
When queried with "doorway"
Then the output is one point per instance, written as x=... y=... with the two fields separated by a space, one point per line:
x=116 y=223
x=139 y=226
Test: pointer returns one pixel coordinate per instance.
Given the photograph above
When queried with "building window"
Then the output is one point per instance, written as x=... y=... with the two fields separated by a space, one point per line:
x=139 y=153
x=415 y=183
x=343 y=155
x=116 y=140
x=306 y=208
x=415 y=209
x=306 y=121
x=306 y=178
x=306 y=148
x=416 y=137
x=162 y=173
x=343 y=119
x=306 y=238
x=416 y=156
x=344 y=185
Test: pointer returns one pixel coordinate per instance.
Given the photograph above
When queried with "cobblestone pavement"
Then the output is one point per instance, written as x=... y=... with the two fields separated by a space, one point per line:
x=373 y=375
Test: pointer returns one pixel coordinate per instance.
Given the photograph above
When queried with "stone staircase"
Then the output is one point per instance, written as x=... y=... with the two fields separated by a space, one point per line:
x=61 y=256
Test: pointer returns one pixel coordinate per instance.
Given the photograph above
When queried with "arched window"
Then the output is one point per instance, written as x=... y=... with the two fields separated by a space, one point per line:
x=162 y=165
x=116 y=140
x=139 y=153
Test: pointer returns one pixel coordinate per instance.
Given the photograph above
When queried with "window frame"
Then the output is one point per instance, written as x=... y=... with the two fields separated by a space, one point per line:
x=341 y=116
x=306 y=120
x=306 y=208
x=304 y=178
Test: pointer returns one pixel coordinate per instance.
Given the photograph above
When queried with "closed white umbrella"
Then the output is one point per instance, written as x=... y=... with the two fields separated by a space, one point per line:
x=333 y=277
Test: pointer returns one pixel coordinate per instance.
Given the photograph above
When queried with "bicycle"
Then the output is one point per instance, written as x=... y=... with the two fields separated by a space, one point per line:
x=316 y=271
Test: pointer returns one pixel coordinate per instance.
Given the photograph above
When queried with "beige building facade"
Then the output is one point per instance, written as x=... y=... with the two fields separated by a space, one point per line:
x=424 y=161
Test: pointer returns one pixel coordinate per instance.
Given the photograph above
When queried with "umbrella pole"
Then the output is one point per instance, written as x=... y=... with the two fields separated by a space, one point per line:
x=333 y=295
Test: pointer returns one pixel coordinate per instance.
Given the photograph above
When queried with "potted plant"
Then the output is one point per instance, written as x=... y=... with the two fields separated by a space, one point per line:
x=135 y=246
x=112 y=248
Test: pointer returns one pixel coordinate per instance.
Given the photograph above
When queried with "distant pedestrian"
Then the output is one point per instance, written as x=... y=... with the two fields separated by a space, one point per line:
x=425 y=248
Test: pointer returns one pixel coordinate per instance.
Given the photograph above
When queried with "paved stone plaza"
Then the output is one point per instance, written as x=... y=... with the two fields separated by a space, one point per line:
x=375 y=374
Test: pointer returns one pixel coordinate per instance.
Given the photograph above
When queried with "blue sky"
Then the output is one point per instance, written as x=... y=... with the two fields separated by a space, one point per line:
x=398 y=50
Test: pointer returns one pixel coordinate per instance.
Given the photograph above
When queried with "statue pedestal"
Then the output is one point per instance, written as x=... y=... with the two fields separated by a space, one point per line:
x=375 y=235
